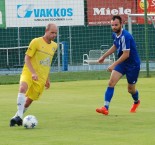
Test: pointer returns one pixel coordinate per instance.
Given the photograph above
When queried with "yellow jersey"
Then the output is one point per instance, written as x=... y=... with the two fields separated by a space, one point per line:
x=41 y=54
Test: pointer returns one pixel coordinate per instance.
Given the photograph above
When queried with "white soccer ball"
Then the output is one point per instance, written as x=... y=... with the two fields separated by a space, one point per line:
x=30 y=121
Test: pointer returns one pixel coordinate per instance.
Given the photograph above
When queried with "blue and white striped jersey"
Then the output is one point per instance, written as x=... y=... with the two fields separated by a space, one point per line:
x=125 y=41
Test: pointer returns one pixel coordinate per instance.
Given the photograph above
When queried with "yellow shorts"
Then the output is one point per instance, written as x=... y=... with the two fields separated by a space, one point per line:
x=35 y=88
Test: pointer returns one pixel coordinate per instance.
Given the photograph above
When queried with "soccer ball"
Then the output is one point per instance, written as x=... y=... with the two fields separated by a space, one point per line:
x=30 y=121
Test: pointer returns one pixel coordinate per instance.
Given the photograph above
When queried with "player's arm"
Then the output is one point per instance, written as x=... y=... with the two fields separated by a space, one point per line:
x=106 y=54
x=29 y=65
x=123 y=57
x=126 y=52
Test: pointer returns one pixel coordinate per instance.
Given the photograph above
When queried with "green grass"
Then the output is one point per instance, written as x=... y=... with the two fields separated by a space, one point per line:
x=70 y=76
x=66 y=115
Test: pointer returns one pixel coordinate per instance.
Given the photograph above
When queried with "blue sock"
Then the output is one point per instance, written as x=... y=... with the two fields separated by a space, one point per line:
x=108 y=96
x=135 y=97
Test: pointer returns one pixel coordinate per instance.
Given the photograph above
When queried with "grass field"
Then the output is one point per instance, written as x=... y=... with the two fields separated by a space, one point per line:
x=70 y=76
x=66 y=115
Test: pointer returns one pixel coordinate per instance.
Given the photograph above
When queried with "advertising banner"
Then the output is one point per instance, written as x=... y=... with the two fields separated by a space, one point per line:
x=100 y=12
x=2 y=13
x=30 y=13
x=150 y=10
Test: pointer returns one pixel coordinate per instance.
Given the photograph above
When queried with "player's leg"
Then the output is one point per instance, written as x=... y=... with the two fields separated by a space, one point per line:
x=135 y=95
x=132 y=90
x=21 y=98
x=28 y=101
x=132 y=76
x=114 y=78
x=17 y=119
x=27 y=104
x=33 y=94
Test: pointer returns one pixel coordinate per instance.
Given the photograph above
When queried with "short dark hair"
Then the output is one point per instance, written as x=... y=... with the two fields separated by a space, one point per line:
x=117 y=17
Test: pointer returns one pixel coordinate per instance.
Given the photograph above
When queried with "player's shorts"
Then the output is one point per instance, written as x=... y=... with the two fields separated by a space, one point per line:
x=131 y=72
x=35 y=88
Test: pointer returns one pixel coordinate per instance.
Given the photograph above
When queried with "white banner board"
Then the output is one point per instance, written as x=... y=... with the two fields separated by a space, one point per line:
x=28 y=13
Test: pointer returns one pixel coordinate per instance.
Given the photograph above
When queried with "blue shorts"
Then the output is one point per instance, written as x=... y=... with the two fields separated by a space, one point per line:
x=131 y=72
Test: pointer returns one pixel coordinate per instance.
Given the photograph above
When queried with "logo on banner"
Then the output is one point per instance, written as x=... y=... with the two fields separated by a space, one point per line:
x=108 y=11
x=141 y=4
x=153 y=3
x=24 y=11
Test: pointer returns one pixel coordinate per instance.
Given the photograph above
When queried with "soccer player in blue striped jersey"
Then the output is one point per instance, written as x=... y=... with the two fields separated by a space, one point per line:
x=128 y=63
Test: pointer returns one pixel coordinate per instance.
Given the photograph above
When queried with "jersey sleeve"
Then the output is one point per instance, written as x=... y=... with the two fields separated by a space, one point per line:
x=125 y=40
x=32 y=48
x=113 y=37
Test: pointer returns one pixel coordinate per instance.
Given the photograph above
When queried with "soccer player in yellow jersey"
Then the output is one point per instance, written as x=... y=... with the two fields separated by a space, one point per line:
x=35 y=73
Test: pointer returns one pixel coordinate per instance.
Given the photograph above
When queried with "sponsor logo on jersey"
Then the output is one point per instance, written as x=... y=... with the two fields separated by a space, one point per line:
x=46 y=62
